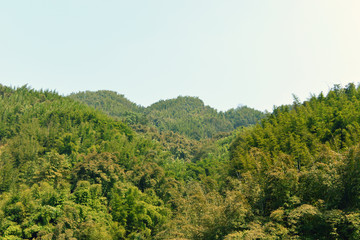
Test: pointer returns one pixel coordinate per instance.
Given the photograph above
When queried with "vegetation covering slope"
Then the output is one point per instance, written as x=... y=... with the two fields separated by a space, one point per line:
x=303 y=166
x=68 y=171
x=185 y=115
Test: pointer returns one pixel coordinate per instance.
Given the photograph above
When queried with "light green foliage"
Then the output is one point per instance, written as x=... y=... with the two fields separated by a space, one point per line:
x=140 y=213
x=299 y=167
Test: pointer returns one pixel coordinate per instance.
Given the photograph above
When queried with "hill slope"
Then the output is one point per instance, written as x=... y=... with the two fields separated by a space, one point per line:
x=70 y=172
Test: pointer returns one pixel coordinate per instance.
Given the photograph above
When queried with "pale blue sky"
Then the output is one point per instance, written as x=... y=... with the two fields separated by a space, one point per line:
x=253 y=52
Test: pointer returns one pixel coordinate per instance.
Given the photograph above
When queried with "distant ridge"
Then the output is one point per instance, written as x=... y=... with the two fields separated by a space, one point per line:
x=185 y=115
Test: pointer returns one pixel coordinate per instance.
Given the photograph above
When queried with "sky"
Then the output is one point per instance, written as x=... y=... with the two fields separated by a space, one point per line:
x=226 y=52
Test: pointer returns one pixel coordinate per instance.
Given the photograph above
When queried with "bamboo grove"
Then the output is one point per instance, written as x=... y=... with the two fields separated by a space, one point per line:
x=94 y=165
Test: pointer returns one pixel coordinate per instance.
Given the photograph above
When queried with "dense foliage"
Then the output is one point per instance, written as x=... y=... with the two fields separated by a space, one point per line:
x=185 y=115
x=68 y=171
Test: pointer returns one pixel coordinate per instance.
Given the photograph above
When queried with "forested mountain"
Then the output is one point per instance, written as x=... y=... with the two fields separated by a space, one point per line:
x=188 y=116
x=68 y=171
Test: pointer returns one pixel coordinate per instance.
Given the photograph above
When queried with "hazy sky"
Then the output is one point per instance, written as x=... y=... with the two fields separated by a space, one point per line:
x=253 y=52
